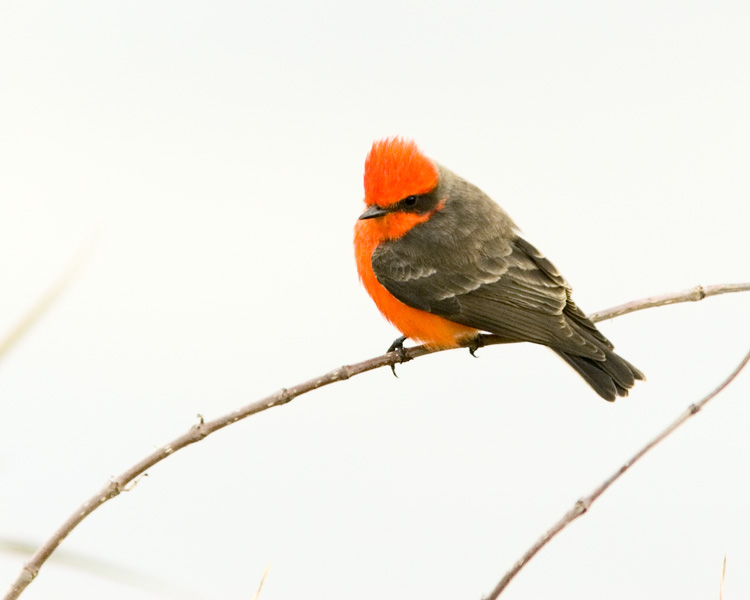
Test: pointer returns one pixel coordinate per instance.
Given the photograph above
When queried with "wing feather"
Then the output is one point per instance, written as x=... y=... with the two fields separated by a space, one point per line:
x=507 y=287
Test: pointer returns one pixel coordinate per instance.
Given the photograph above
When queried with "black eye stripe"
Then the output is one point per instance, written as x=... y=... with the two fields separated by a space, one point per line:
x=418 y=203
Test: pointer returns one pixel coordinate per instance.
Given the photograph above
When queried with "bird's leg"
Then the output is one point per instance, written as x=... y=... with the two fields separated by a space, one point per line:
x=475 y=344
x=398 y=346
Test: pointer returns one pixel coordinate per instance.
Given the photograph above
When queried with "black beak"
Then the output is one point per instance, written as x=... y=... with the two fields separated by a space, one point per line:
x=372 y=212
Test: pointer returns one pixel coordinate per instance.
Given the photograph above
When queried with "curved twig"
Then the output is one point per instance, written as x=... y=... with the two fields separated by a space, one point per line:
x=204 y=428
x=699 y=292
x=583 y=505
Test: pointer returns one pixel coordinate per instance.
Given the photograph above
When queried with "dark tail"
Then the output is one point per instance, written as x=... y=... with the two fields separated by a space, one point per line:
x=610 y=377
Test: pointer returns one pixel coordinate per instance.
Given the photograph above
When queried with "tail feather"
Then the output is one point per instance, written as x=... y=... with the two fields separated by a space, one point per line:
x=608 y=373
x=610 y=378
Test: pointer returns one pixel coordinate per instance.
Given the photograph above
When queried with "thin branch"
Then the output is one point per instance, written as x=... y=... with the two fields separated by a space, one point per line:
x=585 y=503
x=699 y=292
x=203 y=428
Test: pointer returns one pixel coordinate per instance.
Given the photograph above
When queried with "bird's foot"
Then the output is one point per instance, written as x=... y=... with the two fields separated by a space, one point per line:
x=398 y=346
x=475 y=344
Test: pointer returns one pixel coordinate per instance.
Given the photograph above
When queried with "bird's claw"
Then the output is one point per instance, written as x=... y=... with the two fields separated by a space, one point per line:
x=398 y=346
x=476 y=344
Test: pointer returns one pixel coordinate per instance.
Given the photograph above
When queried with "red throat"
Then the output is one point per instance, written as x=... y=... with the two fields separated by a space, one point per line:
x=395 y=169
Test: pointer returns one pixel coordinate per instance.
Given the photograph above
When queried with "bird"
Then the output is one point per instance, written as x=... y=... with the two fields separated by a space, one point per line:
x=444 y=263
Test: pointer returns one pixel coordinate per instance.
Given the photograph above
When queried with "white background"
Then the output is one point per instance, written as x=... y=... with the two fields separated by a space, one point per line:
x=214 y=152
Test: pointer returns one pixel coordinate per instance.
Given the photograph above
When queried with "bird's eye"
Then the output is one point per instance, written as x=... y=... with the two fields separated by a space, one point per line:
x=410 y=200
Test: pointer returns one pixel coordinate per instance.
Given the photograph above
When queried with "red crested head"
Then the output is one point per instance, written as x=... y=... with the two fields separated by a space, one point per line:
x=395 y=169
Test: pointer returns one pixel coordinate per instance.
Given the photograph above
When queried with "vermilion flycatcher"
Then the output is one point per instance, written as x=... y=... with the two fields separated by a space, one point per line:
x=443 y=263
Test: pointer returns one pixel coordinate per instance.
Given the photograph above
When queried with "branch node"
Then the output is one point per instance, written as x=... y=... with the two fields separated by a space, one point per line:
x=582 y=505
x=31 y=572
x=112 y=489
x=344 y=372
x=694 y=408
x=281 y=397
x=199 y=431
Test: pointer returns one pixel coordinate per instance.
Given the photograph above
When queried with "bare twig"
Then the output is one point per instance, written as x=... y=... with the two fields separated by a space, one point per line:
x=723 y=577
x=699 y=292
x=203 y=428
x=583 y=505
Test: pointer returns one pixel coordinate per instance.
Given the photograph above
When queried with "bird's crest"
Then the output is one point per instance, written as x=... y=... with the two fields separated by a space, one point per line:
x=394 y=169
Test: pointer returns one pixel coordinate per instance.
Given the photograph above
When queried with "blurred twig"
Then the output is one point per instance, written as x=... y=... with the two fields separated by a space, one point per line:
x=137 y=580
x=585 y=503
x=203 y=428
x=262 y=581
x=44 y=303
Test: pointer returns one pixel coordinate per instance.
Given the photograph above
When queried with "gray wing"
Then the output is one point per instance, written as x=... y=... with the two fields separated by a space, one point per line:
x=505 y=286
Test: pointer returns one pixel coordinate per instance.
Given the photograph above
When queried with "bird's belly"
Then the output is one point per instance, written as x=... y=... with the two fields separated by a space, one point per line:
x=418 y=325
